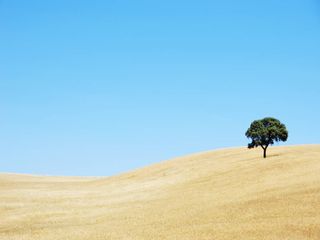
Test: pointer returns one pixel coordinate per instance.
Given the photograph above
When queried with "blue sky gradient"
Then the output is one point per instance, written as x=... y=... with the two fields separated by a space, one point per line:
x=102 y=87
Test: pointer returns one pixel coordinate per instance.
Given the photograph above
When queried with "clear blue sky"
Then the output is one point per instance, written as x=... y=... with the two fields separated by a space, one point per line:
x=102 y=87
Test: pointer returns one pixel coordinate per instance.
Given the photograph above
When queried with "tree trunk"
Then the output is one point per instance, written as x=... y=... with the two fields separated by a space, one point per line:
x=264 y=152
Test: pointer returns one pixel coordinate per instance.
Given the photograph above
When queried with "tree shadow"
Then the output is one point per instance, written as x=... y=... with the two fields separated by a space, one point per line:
x=273 y=155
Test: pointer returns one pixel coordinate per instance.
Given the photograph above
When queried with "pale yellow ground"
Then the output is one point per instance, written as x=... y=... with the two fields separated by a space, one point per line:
x=224 y=194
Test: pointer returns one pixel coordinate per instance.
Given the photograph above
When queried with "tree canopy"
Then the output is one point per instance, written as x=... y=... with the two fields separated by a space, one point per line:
x=266 y=132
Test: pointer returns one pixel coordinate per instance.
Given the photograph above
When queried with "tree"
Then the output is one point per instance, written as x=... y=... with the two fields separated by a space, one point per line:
x=266 y=132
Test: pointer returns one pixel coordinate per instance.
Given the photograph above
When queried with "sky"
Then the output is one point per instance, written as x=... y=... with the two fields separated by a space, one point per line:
x=97 y=88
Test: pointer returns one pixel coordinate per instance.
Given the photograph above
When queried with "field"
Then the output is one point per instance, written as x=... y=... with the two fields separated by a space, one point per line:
x=223 y=194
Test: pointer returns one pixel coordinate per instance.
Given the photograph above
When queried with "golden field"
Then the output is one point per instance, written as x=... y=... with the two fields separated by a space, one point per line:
x=222 y=194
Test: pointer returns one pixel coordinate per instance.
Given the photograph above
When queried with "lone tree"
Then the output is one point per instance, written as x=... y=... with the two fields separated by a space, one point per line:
x=265 y=132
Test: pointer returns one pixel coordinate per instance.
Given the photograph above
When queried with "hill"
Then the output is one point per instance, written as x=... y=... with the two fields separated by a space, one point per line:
x=223 y=194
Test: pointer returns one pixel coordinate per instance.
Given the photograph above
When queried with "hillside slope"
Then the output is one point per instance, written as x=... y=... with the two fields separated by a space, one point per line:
x=224 y=194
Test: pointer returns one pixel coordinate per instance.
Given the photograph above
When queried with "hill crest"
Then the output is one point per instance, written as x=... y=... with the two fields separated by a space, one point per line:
x=222 y=194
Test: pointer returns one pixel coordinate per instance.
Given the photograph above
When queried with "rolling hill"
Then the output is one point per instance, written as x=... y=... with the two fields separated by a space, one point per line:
x=222 y=194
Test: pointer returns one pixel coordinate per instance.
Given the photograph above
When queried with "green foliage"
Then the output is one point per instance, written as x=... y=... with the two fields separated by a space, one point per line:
x=266 y=132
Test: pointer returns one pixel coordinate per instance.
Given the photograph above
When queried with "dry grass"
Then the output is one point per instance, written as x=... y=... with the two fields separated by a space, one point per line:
x=225 y=194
